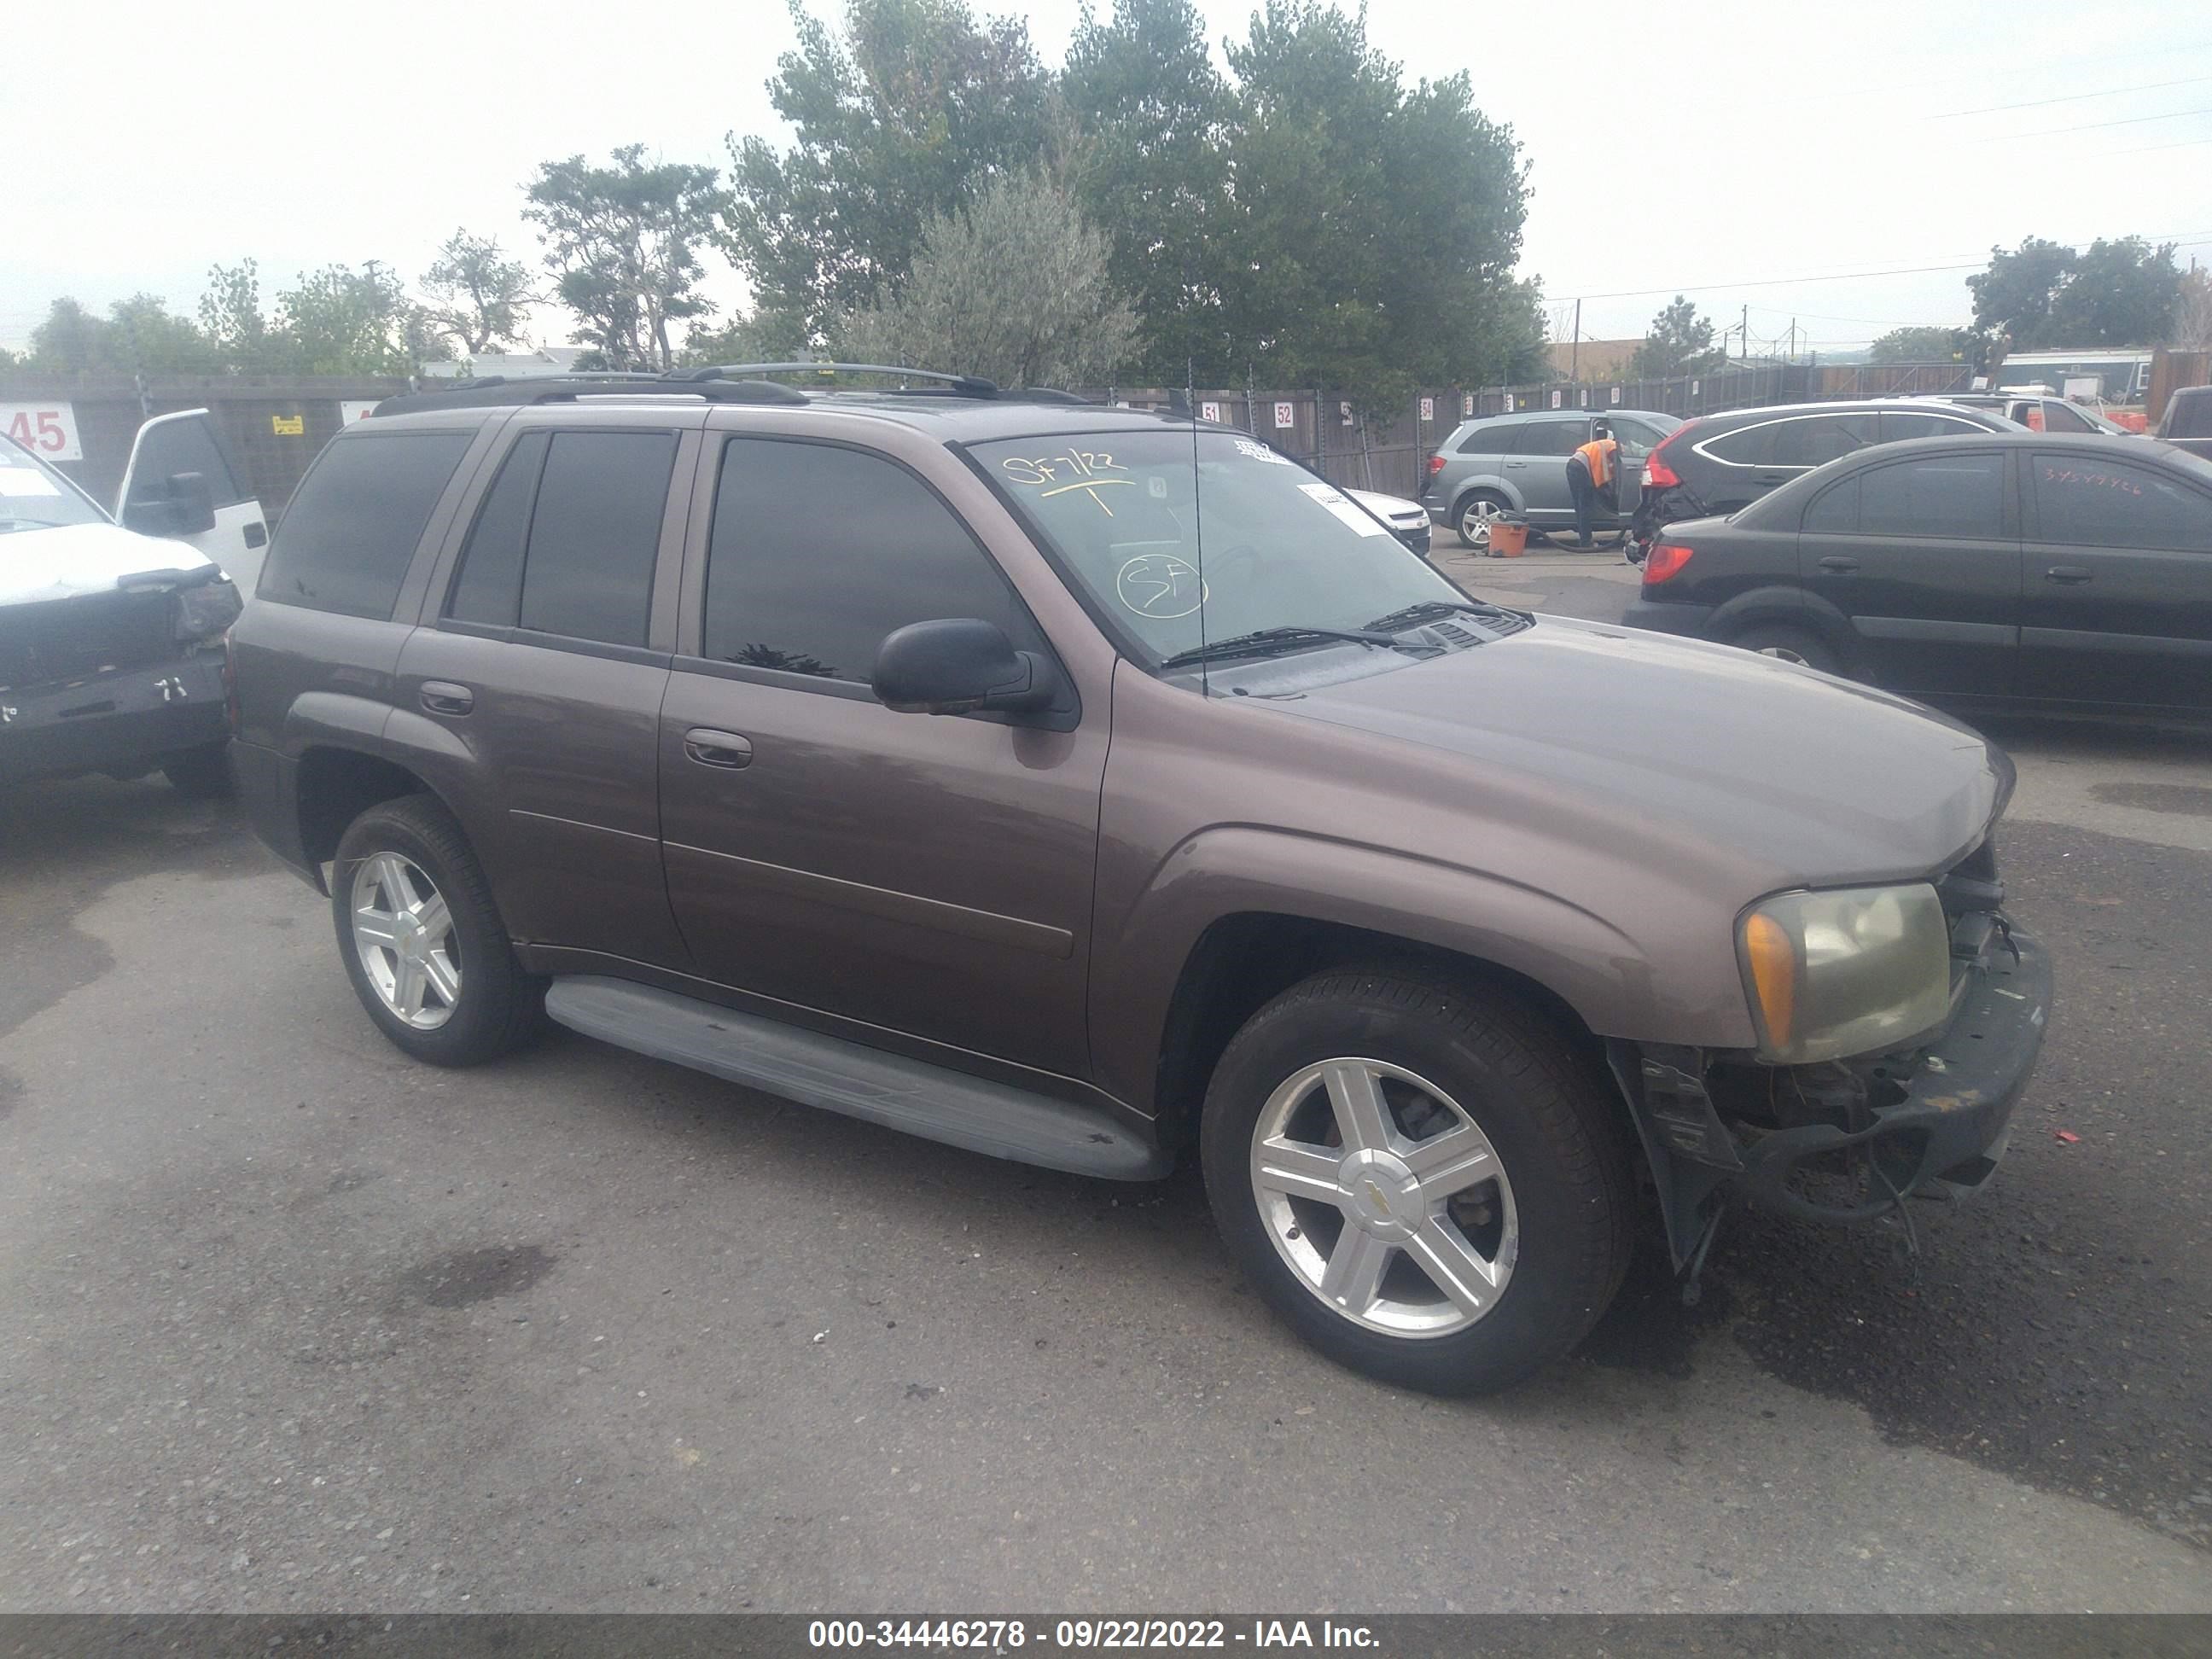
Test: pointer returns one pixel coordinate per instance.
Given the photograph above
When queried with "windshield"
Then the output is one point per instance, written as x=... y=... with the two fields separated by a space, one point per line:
x=1131 y=521
x=34 y=496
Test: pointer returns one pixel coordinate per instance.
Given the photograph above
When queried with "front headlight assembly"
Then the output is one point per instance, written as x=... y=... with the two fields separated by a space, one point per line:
x=203 y=610
x=1856 y=970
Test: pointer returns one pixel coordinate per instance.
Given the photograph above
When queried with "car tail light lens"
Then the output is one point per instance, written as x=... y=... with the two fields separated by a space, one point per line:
x=1656 y=473
x=1436 y=464
x=1664 y=563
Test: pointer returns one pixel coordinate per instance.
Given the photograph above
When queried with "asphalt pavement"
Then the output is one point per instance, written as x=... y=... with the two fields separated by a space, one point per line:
x=288 y=1322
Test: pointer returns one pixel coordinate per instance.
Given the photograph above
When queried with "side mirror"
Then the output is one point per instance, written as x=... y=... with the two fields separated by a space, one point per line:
x=185 y=507
x=958 y=666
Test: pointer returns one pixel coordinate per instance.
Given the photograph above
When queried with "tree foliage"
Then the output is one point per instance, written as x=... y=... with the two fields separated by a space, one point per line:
x=1679 y=342
x=139 y=335
x=476 y=296
x=1013 y=287
x=2193 y=313
x=623 y=241
x=900 y=116
x=2045 y=295
x=1918 y=345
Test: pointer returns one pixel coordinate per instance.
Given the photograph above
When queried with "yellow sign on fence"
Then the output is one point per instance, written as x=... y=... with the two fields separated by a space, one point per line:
x=289 y=426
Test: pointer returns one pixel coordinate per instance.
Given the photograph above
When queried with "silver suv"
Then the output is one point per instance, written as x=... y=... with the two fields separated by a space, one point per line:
x=1517 y=464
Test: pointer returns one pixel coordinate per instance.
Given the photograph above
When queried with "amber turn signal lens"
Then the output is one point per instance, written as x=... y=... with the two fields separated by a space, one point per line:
x=1773 y=975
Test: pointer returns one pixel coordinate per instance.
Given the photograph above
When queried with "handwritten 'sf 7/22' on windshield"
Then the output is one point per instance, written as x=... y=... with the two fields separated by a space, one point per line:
x=1084 y=469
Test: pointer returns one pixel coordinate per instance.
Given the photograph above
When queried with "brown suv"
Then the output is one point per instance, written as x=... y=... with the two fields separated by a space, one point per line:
x=1079 y=786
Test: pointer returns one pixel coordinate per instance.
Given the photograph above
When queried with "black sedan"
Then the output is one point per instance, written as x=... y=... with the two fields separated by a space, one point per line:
x=2069 y=572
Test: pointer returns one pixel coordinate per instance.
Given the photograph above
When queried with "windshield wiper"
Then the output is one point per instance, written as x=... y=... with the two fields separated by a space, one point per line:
x=1427 y=609
x=1262 y=641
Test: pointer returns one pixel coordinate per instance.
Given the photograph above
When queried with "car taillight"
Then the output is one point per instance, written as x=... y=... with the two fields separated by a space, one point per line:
x=1665 y=561
x=1656 y=473
x=1436 y=464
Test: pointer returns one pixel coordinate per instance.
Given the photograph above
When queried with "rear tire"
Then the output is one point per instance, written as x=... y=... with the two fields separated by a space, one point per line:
x=202 y=774
x=1474 y=516
x=1797 y=645
x=1529 y=1208
x=423 y=941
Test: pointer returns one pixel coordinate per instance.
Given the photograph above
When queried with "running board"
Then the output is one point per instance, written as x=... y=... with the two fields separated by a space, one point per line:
x=814 y=1070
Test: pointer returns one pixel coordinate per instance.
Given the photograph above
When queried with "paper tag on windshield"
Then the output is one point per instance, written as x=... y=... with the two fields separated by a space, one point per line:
x=1345 y=508
x=25 y=481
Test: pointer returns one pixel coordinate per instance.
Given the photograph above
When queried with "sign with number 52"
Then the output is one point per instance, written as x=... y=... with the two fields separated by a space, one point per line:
x=47 y=430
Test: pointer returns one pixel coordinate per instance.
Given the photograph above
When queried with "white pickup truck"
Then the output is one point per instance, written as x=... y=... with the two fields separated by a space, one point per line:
x=110 y=634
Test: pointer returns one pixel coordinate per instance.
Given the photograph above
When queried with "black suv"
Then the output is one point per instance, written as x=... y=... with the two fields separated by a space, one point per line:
x=1718 y=463
x=2065 y=571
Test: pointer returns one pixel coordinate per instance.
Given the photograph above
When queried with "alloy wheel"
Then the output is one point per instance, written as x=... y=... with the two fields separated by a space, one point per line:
x=403 y=930
x=1384 y=1197
x=1474 y=522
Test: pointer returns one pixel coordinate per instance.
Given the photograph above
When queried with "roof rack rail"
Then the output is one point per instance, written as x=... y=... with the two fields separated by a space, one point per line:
x=959 y=385
x=494 y=390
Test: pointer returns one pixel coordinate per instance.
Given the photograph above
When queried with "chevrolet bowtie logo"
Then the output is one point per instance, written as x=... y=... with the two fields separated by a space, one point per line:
x=1375 y=1192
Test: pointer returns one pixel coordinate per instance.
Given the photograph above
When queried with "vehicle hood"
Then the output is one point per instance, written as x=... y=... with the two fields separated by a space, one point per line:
x=1594 y=733
x=1389 y=507
x=68 y=559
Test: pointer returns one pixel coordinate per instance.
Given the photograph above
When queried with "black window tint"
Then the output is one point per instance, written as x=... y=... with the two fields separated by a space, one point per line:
x=816 y=553
x=1560 y=438
x=488 y=588
x=1939 y=495
x=185 y=445
x=595 y=534
x=351 y=532
x=2063 y=417
x=2094 y=502
x=1835 y=510
x=1815 y=440
x=1487 y=440
x=1748 y=446
x=1898 y=424
x=2188 y=415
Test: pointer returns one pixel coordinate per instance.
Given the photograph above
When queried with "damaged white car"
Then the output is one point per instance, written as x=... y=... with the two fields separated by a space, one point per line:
x=111 y=638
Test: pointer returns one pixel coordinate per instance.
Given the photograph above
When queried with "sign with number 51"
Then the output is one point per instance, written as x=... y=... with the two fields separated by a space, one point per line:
x=47 y=430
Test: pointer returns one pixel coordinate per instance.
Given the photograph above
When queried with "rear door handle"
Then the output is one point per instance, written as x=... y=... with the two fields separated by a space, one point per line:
x=1839 y=562
x=2072 y=575
x=444 y=698
x=724 y=749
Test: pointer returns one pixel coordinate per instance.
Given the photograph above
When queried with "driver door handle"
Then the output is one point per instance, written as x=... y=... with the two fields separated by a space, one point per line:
x=2071 y=575
x=724 y=749
x=444 y=698
x=1839 y=562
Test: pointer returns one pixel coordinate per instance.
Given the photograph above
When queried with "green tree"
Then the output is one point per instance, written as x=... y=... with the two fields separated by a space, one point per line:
x=623 y=241
x=899 y=116
x=1918 y=345
x=477 y=297
x=1679 y=342
x=2193 y=313
x=340 y=321
x=2014 y=295
x=1150 y=115
x=1371 y=233
x=231 y=318
x=1014 y=288
x=2121 y=293
x=139 y=335
x=755 y=337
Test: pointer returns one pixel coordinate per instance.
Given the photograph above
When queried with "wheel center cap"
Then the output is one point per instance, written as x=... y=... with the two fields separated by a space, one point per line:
x=1382 y=1196
x=409 y=936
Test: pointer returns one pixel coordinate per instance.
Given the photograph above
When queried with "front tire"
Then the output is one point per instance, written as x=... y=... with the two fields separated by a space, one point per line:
x=423 y=941
x=1424 y=1177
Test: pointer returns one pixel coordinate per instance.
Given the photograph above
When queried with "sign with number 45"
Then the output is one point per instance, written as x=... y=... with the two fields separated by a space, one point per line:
x=47 y=430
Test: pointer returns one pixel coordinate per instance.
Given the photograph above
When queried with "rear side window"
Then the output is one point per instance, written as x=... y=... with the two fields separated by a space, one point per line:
x=1559 y=438
x=1835 y=510
x=1816 y=439
x=1899 y=424
x=2188 y=416
x=488 y=588
x=1936 y=496
x=2094 y=502
x=351 y=532
x=817 y=552
x=1748 y=446
x=1491 y=439
x=2062 y=417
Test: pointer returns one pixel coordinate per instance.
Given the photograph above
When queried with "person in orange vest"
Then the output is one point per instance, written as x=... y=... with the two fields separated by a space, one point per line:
x=1591 y=472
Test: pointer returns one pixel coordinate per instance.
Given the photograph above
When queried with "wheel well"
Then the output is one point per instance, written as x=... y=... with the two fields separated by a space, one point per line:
x=336 y=786
x=1242 y=963
x=1460 y=501
x=1787 y=608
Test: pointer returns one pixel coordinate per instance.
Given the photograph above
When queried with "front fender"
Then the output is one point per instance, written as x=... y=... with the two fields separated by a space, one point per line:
x=1588 y=963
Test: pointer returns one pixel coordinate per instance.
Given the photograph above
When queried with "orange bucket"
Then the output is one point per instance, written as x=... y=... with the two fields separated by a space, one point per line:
x=1509 y=541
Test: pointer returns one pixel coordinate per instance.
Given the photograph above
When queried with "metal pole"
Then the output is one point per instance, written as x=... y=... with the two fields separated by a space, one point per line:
x=1575 y=352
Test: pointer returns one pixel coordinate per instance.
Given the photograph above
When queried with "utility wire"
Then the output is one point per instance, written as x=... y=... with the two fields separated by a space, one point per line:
x=2092 y=126
x=2070 y=98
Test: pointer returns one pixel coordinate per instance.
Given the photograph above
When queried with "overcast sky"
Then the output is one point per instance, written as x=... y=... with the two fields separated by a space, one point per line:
x=1711 y=148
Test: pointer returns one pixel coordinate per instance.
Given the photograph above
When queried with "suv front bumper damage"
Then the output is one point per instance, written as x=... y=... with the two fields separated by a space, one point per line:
x=1847 y=1142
